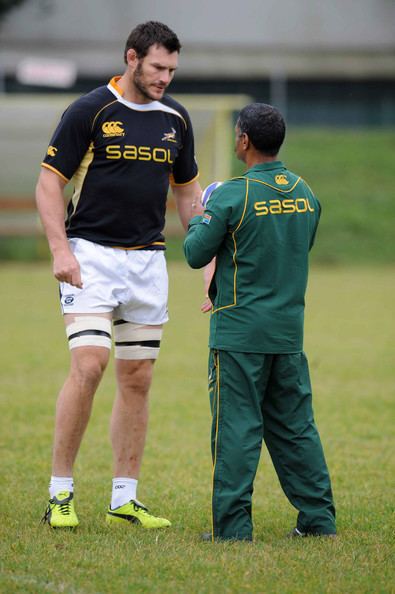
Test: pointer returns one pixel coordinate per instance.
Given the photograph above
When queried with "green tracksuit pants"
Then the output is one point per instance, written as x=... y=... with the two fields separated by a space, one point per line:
x=257 y=397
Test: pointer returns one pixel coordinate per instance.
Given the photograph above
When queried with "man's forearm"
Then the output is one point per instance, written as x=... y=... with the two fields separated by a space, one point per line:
x=188 y=202
x=50 y=205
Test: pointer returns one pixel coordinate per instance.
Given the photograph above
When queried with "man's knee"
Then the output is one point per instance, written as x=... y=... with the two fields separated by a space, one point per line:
x=134 y=376
x=89 y=339
x=88 y=365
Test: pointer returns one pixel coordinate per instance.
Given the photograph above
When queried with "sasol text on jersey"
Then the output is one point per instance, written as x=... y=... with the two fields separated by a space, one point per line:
x=139 y=153
x=285 y=206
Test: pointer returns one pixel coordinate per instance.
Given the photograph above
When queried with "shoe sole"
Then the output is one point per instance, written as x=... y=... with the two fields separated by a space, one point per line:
x=292 y=535
x=60 y=527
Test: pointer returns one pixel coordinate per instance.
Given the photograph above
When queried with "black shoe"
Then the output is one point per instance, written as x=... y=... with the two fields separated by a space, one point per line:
x=296 y=533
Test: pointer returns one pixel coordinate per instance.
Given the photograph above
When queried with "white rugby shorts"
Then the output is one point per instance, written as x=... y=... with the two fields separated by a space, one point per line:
x=133 y=284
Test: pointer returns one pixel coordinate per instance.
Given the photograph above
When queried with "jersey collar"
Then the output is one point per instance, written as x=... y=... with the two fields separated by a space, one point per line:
x=268 y=166
x=119 y=93
x=152 y=106
x=113 y=83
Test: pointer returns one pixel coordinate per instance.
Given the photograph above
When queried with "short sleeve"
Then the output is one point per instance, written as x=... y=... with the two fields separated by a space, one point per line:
x=185 y=168
x=70 y=141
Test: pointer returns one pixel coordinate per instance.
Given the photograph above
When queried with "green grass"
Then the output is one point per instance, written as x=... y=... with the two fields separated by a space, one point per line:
x=350 y=342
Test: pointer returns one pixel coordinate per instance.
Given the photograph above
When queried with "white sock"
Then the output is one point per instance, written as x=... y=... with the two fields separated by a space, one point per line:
x=123 y=490
x=60 y=483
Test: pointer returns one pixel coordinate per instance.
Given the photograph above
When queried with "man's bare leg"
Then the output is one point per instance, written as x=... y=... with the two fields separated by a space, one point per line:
x=130 y=416
x=128 y=431
x=74 y=405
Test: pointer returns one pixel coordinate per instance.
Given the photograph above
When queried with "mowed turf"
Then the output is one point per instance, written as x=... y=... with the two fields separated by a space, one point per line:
x=350 y=343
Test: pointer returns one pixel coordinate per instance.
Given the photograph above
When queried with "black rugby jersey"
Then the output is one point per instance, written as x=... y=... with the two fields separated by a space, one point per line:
x=121 y=157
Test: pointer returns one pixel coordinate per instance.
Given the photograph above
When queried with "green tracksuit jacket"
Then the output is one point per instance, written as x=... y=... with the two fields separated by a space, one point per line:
x=261 y=227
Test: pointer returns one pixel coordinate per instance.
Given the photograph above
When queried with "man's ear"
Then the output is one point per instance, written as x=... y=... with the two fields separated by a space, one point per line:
x=245 y=142
x=131 y=58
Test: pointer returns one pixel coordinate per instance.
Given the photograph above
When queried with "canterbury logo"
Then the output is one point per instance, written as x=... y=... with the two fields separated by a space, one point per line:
x=281 y=180
x=170 y=136
x=51 y=151
x=112 y=129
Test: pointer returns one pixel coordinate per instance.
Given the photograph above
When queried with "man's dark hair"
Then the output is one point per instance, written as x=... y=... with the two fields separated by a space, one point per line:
x=151 y=33
x=264 y=126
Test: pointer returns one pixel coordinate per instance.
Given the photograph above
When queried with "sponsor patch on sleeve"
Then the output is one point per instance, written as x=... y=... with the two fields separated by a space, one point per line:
x=206 y=218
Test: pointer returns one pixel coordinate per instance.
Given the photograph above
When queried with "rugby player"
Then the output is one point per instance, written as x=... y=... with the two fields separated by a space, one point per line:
x=120 y=145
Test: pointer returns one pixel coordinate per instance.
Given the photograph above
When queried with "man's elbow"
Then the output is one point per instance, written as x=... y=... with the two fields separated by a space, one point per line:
x=193 y=259
x=195 y=256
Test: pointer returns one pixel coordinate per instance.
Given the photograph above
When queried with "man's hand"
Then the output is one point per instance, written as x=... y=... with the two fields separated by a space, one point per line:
x=206 y=305
x=66 y=268
x=208 y=273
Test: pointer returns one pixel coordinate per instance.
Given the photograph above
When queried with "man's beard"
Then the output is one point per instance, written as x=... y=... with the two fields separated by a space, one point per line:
x=140 y=86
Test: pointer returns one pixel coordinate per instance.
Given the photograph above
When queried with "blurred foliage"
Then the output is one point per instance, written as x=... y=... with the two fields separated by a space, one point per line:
x=351 y=173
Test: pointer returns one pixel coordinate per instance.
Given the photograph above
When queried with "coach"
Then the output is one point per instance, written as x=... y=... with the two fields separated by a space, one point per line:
x=260 y=227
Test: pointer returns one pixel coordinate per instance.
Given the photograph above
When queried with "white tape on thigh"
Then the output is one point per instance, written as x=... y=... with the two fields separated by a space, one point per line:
x=89 y=331
x=136 y=341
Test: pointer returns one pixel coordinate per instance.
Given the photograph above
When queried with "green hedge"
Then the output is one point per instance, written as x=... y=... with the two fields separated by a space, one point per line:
x=350 y=171
x=352 y=174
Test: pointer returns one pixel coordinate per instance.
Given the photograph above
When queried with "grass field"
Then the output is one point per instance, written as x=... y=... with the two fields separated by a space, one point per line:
x=350 y=343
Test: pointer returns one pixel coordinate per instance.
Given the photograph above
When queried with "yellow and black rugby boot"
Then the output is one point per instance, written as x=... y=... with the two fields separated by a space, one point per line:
x=136 y=513
x=60 y=512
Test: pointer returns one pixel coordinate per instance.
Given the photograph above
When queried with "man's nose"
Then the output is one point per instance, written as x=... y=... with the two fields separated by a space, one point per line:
x=166 y=77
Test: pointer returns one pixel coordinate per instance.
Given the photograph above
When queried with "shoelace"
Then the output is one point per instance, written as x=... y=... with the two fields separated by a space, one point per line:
x=65 y=508
x=139 y=507
x=45 y=517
